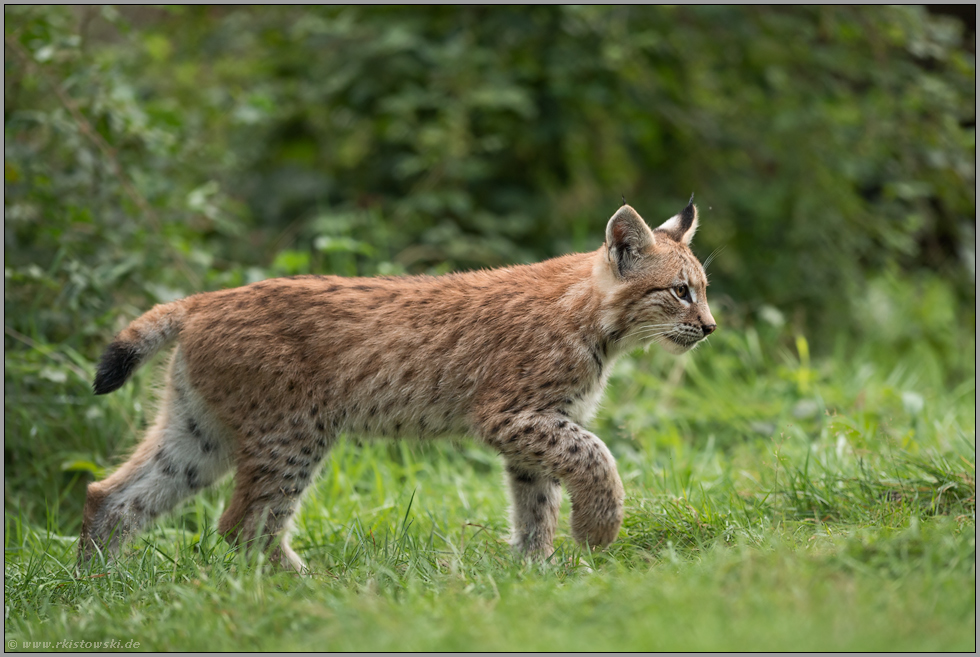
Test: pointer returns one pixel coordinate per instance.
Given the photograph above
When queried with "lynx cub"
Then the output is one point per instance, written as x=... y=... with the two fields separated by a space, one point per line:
x=267 y=376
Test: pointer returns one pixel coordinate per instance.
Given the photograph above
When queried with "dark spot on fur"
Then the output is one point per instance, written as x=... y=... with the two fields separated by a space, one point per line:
x=166 y=465
x=521 y=476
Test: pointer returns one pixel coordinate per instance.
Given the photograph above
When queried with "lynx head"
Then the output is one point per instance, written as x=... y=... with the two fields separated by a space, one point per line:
x=655 y=287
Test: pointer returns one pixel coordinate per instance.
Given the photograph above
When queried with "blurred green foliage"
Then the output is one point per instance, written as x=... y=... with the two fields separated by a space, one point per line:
x=150 y=153
x=825 y=145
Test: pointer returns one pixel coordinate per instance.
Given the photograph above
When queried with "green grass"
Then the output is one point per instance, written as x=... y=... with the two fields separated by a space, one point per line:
x=773 y=503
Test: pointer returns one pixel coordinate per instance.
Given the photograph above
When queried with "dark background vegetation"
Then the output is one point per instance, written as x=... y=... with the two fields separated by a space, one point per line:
x=150 y=153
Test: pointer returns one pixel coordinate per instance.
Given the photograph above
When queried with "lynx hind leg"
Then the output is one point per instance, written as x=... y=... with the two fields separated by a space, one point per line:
x=535 y=505
x=273 y=473
x=185 y=450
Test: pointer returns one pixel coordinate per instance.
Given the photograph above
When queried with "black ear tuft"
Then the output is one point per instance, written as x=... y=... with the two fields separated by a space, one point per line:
x=117 y=365
x=687 y=217
x=682 y=226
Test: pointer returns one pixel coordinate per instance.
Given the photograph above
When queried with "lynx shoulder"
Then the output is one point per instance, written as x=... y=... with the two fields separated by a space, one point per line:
x=266 y=377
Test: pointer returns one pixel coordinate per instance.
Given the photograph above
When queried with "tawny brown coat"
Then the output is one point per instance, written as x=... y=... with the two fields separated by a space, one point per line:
x=266 y=377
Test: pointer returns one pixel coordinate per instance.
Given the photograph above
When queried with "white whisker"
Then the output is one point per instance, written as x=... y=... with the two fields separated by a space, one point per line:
x=714 y=254
x=647 y=331
x=651 y=332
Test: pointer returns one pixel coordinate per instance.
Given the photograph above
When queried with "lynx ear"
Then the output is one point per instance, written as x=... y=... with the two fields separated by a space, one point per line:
x=681 y=227
x=627 y=235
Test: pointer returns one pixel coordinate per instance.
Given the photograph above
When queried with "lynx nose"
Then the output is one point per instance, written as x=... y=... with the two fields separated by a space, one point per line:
x=708 y=329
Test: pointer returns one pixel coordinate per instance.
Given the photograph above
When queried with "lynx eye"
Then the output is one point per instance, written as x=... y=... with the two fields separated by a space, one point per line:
x=681 y=291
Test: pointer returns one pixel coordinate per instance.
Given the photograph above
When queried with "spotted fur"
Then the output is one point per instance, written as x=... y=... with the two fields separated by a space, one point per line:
x=266 y=377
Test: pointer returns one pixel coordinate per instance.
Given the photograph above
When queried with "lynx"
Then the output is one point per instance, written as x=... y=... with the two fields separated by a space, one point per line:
x=266 y=377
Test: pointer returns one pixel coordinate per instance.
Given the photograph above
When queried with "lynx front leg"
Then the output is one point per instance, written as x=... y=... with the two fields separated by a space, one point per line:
x=536 y=499
x=552 y=446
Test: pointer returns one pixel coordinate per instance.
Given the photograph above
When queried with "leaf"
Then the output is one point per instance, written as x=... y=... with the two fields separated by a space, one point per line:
x=158 y=47
x=327 y=244
x=80 y=465
x=292 y=262
x=53 y=374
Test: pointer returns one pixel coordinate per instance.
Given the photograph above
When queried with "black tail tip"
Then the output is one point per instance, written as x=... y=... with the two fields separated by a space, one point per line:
x=117 y=365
